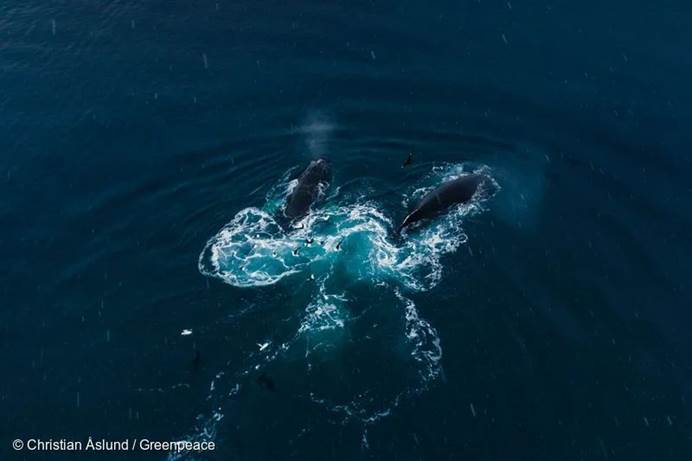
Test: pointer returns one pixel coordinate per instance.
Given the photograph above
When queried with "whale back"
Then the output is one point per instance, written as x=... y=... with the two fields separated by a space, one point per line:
x=314 y=178
x=459 y=190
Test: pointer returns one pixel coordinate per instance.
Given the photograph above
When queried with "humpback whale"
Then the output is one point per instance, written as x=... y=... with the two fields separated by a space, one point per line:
x=314 y=178
x=435 y=202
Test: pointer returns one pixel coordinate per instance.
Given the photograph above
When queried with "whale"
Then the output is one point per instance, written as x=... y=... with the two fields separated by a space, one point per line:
x=443 y=197
x=311 y=182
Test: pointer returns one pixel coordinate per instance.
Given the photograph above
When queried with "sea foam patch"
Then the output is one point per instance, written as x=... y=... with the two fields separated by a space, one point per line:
x=254 y=250
x=347 y=241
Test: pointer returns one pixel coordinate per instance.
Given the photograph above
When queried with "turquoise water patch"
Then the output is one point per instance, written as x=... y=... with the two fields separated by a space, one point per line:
x=254 y=250
x=359 y=276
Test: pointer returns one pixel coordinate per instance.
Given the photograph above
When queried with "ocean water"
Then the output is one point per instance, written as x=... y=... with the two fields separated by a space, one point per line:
x=146 y=146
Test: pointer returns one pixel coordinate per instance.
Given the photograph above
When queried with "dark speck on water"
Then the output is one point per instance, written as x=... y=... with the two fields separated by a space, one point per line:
x=408 y=161
x=146 y=152
x=266 y=382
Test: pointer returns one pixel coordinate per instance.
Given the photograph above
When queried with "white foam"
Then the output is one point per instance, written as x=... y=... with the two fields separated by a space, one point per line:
x=253 y=250
x=427 y=350
x=355 y=238
x=325 y=312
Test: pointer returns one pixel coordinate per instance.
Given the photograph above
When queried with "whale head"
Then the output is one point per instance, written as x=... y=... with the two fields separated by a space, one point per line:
x=319 y=170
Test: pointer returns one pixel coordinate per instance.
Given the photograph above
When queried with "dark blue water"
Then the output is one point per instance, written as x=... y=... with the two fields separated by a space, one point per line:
x=145 y=146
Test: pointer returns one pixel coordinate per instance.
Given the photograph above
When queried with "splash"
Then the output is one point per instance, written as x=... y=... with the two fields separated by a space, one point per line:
x=254 y=250
x=348 y=242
